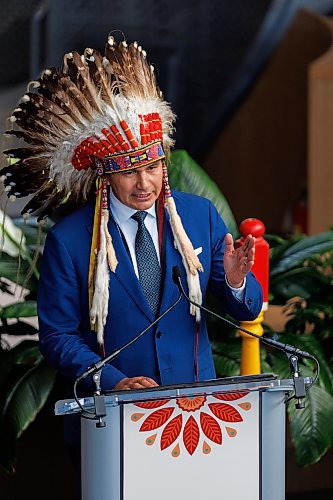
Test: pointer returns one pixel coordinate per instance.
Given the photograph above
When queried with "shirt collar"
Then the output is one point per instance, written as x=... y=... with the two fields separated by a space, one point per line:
x=122 y=213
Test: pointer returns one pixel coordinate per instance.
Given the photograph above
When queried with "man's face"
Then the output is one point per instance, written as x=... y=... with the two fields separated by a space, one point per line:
x=139 y=188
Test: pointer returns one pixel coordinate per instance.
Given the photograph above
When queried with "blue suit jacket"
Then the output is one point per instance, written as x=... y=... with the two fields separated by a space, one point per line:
x=166 y=353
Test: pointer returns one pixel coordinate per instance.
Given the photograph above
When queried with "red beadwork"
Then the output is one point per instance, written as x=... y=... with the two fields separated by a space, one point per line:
x=81 y=164
x=107 y=145
x=110 y=138
x=84 y=150
x=129 y=134
x=104 y=204
x=82 y=158
x=147 y=126
x=100 y=150
x=113 y=141
x=120 y=139
x=143 y=134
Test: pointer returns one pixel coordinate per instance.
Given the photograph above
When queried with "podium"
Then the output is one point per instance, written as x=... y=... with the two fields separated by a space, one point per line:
x=214 y=440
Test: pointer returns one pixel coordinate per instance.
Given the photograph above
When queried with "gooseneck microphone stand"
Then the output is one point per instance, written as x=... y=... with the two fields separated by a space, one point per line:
x=291 y=351
x=95 y=370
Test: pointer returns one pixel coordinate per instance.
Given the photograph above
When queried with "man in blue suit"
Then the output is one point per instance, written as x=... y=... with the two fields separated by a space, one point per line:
x=167 y=354
x=100 y=127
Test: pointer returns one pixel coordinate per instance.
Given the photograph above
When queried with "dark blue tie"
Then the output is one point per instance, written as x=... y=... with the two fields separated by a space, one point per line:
x=148 y=265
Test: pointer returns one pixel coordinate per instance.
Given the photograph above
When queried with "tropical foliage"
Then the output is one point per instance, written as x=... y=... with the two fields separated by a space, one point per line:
x=25 y=377
x=301 y=280
x=187 y=176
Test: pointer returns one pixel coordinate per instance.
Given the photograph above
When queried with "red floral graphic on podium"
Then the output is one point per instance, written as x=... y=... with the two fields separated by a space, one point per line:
x=192 y=420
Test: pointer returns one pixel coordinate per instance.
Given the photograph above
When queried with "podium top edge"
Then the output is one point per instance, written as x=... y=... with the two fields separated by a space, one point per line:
x=262 y=382
x=242 y=379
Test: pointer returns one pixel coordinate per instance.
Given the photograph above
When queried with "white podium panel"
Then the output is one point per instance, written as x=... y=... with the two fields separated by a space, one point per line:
x=217 y=440
x=188 y=448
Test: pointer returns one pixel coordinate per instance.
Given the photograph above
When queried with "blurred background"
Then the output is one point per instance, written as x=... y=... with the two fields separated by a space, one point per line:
x=247 y=81
x=251 y=83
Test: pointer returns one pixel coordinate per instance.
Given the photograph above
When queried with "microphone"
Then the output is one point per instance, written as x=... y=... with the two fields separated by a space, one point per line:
x=287 y=348
x=107 y=359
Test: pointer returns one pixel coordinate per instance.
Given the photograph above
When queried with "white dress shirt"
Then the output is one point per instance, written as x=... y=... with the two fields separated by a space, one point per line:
x=122 y=215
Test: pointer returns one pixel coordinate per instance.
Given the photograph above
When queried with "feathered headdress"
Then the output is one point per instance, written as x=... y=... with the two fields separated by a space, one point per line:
x=96 y=116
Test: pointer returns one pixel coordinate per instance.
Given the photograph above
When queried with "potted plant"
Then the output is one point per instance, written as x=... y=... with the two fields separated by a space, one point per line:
x=26 y=379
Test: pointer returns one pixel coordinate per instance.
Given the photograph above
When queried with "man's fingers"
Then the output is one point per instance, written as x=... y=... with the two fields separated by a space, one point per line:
x=229 y=243
x=135 y=383
x=249 y=243
x=148 y=382
x=247 y=250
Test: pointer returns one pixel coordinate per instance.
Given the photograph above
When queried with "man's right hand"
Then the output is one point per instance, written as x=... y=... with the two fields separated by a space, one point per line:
x=135 y=383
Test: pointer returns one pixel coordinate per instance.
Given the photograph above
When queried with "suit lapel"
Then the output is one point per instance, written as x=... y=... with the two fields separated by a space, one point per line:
x=172 y=258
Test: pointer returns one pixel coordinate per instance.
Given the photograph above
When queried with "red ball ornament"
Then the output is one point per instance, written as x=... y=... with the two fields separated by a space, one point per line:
x=252 y=226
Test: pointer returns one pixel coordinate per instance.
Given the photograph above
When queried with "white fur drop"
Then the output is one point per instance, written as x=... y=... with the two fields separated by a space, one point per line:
x=99 y=308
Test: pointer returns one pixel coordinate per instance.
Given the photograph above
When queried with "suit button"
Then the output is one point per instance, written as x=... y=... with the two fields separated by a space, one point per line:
x=249 y=302
x=158 y=335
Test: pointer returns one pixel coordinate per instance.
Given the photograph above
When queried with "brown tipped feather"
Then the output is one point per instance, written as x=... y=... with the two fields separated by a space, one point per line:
x=40 y=199
x=27 y=181
x=133 y=72
x=22 y=153
x=31 y=138
x=53 y=85
x=44 y=103
x=98 y=75
x=39 y=126
x=78 y=71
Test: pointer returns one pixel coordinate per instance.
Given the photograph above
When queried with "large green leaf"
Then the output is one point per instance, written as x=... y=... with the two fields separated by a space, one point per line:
x=187 y=176
x=25 y=353
x=312 y=428
x=311 y=243
x=25 y=309
x=308 y=427
x=13 y=242
x=9 y=269
x=302 y=250
x=278 y=247
x=12 y=238
x=299 y=282
x=19 y=406
x=227 y=357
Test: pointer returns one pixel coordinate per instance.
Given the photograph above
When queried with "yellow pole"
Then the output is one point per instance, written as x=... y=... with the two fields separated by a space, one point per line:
x=250 y=359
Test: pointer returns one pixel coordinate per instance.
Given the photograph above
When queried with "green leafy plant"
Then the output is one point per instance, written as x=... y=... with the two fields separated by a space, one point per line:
x=26 y=379
x=187 y=176
x=301 y=280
